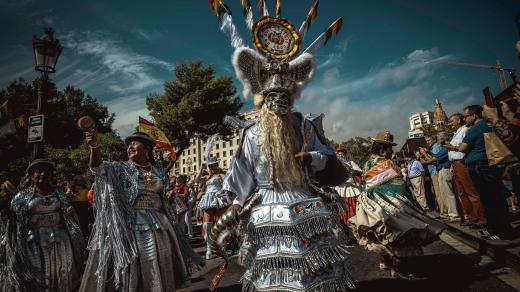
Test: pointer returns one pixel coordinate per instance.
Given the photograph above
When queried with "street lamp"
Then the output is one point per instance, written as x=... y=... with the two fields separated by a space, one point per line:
x=47 y=50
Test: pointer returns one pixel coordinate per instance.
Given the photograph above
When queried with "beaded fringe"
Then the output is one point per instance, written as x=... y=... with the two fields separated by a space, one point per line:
x=305 y=229
x=312 y=261
x=343 y=284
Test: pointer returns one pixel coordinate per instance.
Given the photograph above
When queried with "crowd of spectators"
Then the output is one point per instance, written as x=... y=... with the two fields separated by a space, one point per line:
x=455 y=180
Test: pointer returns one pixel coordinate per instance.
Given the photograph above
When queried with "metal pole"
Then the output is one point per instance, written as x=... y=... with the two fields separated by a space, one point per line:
x=38 y=146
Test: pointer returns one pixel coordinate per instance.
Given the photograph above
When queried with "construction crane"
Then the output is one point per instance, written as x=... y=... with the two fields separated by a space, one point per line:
x=498 y=67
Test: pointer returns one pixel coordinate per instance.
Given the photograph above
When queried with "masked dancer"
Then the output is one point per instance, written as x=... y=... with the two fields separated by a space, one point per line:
x=136 y=244
x=44 y=245
x=386 y=220
x=292 y=239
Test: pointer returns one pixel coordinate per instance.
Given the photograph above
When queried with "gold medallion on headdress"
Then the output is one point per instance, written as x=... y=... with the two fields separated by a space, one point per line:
x=276 y=37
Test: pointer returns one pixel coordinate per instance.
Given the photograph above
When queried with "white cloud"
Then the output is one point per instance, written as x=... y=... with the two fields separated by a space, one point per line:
x=382 y=99
x=127 y=110
x=122 y=70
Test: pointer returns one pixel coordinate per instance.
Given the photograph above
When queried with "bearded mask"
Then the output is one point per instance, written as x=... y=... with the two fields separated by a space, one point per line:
x=275 y=83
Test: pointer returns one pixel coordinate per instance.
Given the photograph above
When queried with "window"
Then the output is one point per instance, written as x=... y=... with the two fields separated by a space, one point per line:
x=195 y=151
x=195 y=168
x=216 y=145
x=183 y=170
x=189 y=168
x=231 y=152
x=188 y=151
x=194 y=159
x=218 y=156
x=183 y=161
x=224 y=154
x=225 y=163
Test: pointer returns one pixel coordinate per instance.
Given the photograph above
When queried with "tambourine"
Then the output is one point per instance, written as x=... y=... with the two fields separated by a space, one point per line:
x=86 y=123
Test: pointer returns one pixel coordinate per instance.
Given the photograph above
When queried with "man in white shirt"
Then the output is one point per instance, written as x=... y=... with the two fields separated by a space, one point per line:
x=467 y=193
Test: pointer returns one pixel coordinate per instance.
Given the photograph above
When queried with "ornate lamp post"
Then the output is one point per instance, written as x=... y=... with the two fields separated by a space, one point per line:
x=47 y=50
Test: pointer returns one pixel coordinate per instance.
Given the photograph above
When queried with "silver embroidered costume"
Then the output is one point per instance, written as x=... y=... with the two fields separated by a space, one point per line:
x=211 y=198
x=44 y=245
x=136 y=244
x=293 y=240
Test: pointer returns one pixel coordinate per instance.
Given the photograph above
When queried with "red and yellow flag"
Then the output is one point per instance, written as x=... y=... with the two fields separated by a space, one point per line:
x=158 y=135
x=313 y=12
x=334 y=29
x=278 y=8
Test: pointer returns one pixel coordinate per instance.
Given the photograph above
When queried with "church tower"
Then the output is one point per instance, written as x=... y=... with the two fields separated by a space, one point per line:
x=439 y=116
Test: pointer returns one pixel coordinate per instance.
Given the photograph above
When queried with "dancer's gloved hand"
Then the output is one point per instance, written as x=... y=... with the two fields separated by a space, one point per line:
x=236 y=207
x=305 y=158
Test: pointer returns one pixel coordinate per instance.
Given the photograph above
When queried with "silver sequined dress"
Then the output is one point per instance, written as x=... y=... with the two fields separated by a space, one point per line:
x=210 y=199
x=49 y=240
x=160 y=258
x=292 y=242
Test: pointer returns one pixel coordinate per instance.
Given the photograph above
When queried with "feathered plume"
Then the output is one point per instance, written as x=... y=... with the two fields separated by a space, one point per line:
x=248 y=13
x=311 y=16
x=262 y=7
x=207 y=154
x=226 y=22
x=322 y=40
x=278 y=7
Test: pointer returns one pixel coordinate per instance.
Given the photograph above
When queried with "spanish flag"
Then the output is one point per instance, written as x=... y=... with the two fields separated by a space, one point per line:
x=158 y=135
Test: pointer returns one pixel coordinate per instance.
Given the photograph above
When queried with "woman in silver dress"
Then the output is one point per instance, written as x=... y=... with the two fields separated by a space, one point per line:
x=44 y=245
x=136 y=244
x=211 y=203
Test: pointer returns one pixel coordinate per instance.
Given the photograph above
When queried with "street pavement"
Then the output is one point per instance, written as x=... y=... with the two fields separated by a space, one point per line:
x=442 y=268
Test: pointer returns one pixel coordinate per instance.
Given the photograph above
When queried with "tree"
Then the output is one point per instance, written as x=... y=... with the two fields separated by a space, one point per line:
x=358 y=149
x=194 y=104
x=74 y=161
x=62 y=109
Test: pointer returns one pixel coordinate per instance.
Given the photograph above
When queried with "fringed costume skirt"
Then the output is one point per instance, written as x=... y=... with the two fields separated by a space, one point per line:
x=50 y=251
x=293 y=242
x=387 y=221
x=161 y=264
x=210 y=200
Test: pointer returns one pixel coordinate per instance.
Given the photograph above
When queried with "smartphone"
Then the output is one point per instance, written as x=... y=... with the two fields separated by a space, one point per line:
x=488 y=97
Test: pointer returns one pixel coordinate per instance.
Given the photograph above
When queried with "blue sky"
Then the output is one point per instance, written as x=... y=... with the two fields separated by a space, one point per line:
x=371 y=77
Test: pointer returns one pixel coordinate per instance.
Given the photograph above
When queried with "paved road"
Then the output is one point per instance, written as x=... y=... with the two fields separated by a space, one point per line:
x=442 y=268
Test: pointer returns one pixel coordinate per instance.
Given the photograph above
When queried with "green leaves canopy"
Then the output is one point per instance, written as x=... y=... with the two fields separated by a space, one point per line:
x=194 y=104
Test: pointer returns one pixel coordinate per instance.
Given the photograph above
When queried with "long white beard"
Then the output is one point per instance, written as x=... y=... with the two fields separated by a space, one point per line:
x=280 y=144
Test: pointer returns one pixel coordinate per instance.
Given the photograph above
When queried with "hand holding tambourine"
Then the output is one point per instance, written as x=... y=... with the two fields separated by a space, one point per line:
x=88 y=125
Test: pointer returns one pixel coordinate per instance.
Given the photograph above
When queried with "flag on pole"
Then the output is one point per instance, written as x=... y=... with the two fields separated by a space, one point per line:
x=158 y=135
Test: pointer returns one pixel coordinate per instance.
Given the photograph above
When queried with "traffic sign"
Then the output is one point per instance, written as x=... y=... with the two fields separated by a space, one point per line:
x=35 y=129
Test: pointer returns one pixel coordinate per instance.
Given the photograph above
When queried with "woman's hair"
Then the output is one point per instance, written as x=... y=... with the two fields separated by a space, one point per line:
x=378 y=147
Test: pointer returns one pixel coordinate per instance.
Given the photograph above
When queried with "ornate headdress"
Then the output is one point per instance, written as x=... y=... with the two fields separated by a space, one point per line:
x=275 y=65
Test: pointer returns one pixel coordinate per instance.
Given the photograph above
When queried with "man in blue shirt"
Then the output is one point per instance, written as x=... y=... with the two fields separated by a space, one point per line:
x=446 y=179
x=431 y=161
x=486 y=178
x=416 y=176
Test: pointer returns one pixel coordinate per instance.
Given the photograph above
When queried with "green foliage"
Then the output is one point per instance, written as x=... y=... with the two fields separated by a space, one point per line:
x=194 y=104
x=358 y=149
x=61 y=109
x=73 y=161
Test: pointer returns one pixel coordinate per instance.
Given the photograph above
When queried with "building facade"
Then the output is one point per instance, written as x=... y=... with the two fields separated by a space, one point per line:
x=417 y=121
x=191 y=159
